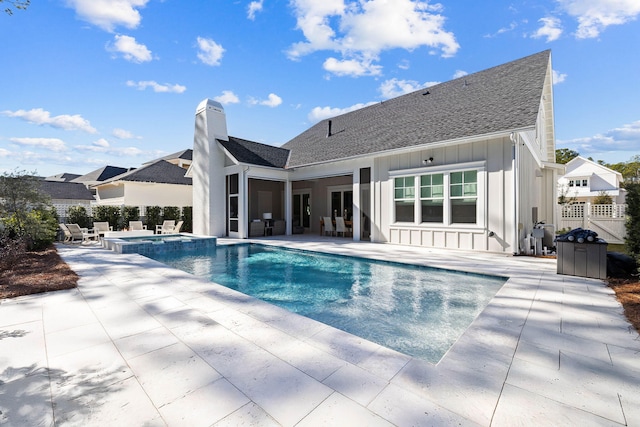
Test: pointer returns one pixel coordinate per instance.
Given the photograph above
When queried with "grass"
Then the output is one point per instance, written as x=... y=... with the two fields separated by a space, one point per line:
x=44 y=271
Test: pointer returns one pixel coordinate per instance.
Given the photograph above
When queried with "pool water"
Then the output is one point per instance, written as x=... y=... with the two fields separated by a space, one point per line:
x=415 y=310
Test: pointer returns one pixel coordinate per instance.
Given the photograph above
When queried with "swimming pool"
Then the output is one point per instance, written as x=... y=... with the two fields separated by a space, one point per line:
x=418 y=311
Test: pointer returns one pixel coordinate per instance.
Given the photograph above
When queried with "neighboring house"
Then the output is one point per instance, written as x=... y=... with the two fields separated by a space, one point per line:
x=63 y=177
x=66 y=194
x=100 y=175
x=466 y=164
x=584 y=180
x=158 y=183
x=181 y=158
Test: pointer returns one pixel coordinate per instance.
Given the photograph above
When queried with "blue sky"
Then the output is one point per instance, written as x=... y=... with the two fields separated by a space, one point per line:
x=89 y=83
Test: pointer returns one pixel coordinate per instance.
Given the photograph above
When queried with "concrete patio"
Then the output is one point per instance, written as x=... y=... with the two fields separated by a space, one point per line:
x=138 y=343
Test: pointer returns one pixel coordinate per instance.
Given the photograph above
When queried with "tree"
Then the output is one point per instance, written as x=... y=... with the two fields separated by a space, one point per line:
x=26 y=214
x=20 y=194
x=18 y=4
x=632 y=241
x=564 y=155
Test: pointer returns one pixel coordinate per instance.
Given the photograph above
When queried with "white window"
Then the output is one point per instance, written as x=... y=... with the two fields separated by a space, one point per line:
x=404 y=198
x=432 y=197
x=464 y=197
x=444 y=197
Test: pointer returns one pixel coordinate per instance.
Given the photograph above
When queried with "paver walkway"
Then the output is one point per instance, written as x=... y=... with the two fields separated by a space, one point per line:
x=138 y=343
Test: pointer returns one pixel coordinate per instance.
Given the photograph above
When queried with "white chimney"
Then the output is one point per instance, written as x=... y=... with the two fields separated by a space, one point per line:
x=209 y=213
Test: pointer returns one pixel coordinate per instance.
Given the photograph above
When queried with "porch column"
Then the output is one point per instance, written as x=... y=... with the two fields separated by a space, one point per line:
x=357 y=212
x=288 y=206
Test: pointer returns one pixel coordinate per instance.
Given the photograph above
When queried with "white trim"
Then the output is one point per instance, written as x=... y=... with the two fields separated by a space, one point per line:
x=456 y=167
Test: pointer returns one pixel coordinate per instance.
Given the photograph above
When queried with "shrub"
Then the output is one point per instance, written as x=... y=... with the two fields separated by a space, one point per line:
x=632 y=241
x=602 y=199
x=171 y=212
x=11 y=250
x=78 y=215
x=153 y=217
x=110 y=214
x=187 y=217
x=37 y=229
x=130 y=213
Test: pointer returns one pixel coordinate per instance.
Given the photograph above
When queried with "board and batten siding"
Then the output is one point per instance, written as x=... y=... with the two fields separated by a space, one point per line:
x=496 y=200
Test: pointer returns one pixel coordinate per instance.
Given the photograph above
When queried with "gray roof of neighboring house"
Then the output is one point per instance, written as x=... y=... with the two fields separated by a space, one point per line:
x=102 y=174
x=63 y=177
x=184 y=155
x=256 y=153
x=65 y=190
x=498 y=99
x=160 y=172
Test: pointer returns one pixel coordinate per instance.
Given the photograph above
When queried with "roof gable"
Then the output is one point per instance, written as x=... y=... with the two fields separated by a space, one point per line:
x=65 y=190
x=498 y=99
x=160 y=172
x=580 y=166
x=255 y=153
x=102 y=174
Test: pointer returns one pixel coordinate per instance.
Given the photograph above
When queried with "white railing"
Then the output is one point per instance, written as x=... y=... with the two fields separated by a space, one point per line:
x=607 y=220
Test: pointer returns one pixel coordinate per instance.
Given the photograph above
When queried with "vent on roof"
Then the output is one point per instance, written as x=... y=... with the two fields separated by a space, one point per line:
x=328 y=128
x=426 y=93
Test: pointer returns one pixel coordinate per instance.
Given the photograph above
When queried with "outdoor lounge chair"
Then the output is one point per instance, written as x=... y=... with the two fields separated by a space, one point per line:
x=101 y=228
x=81 y=234
x=167 y=227
x=136 y=225
x=178 y=227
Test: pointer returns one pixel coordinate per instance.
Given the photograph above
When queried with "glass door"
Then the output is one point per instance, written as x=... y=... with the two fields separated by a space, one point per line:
x=302 y=210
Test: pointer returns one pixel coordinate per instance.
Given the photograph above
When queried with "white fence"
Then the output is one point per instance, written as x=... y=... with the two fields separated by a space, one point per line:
x=606 y=220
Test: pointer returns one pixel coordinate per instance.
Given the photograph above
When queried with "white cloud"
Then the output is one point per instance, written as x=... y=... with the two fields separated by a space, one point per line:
x=253 y=8
x=361 y=30
x=352 y=67
x=124 y=134
x=210 y=52
x=39 y=116
x=227 y=97
x=157 y=87
x=102 y=143
x=395 y=87
x=108 y=14
x=5 y=153
x=503 y=30
x=551 y=29
x=558 y=77
x=272 y=100
x=624 y=138
x=594 y=16
x=51 y=144
x=321 y=113
x=459 y=73
x=130 y=49
x=99 y=147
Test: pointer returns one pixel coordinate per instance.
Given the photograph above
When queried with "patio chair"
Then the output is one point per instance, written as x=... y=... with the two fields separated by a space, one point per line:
x=136 y=225
x=101 y=228
x=341 y=227
x=328 y=226
x=178 y=227
x=82 y=234
x=167 y=227
x=67 y=233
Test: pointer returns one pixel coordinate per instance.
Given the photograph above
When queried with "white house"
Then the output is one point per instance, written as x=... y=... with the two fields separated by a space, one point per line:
x=468 y=164
x=157 y=183
x=585 y=180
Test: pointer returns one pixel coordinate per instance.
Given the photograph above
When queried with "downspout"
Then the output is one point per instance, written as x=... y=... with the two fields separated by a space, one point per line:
x=516 y=186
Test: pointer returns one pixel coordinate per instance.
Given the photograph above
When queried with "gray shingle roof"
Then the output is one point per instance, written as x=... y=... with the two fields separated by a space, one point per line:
x=498 y=99
x=65 y=190
x=161 y=172
x=256 y=153
x=183 y=154
x=102 y=174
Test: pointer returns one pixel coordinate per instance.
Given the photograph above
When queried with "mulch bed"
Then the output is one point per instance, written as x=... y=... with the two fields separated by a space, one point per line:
x=628 y=293
x=36 y=272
